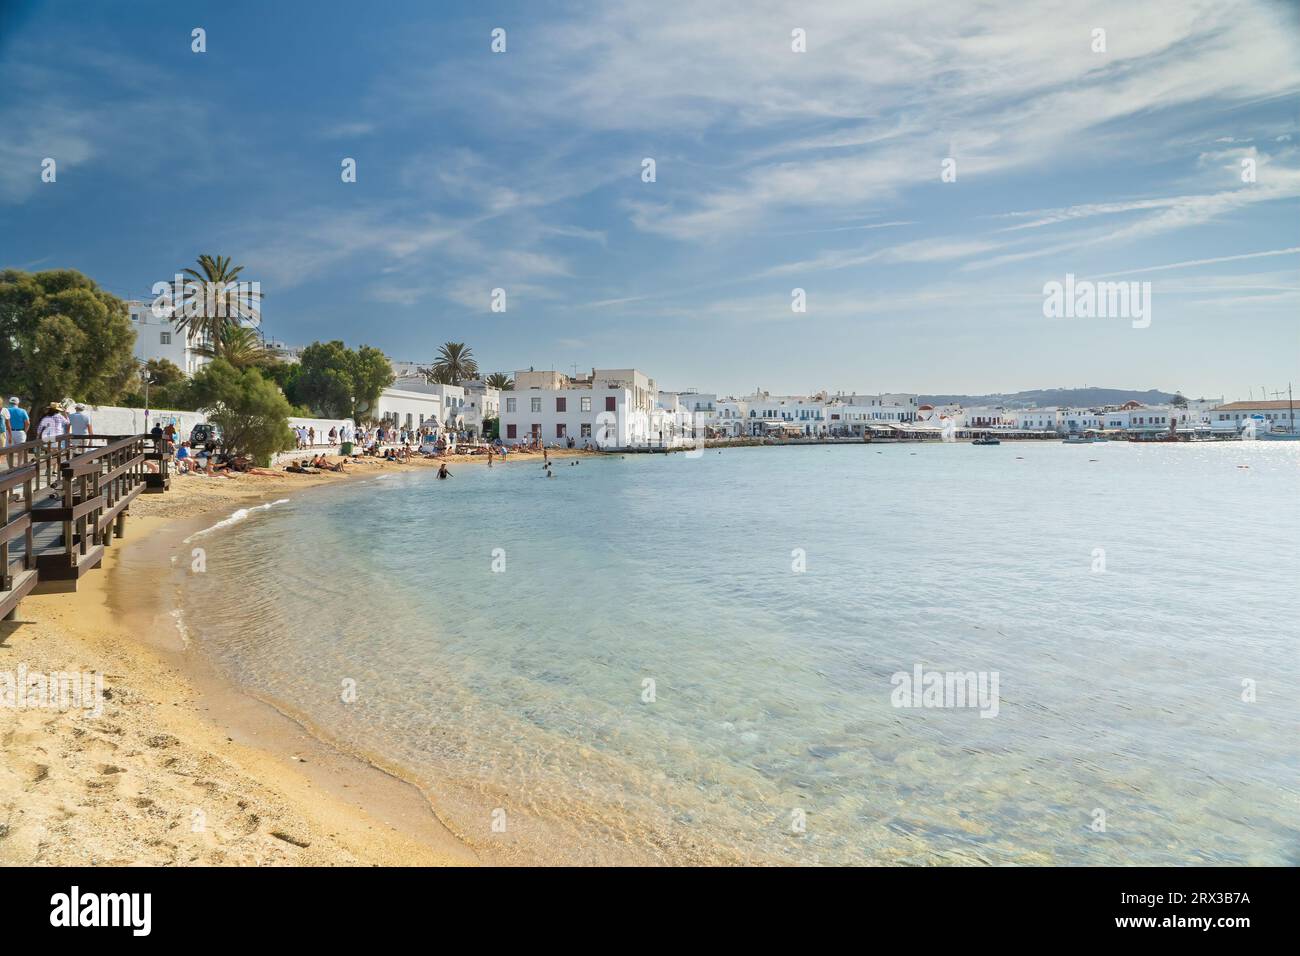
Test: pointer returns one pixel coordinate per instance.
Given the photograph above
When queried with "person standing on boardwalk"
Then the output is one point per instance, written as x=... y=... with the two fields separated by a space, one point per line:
x=18 y=420
x=79 y=425
x=53 y=424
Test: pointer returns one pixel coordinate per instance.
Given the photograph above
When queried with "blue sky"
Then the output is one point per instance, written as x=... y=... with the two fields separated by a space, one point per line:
x=775 y=170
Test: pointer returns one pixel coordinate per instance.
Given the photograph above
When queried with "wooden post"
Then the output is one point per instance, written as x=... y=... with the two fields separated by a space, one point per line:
x=6 y=582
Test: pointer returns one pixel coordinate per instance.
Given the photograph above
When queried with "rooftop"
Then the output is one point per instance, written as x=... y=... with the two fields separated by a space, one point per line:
x=1262 y=403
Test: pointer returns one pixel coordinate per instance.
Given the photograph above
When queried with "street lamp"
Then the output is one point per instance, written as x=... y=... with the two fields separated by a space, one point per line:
x=147 y=379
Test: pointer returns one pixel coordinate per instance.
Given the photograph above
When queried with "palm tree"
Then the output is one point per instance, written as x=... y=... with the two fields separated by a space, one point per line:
x=499 y=380
x=221 y=307
x=455 y=364
x=239 y=345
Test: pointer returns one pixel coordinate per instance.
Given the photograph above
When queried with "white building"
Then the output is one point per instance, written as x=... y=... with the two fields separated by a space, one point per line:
x=610 y=408
x=585 y=414
x=988 y=416
x=1077 y=421
x=158 y=338
x=482 y=402
x=729 y=418
x=1280 y=415
x=408 y=409
x=1038 y=419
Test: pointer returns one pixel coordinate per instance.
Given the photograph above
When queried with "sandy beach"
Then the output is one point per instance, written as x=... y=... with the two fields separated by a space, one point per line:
x=180 y=768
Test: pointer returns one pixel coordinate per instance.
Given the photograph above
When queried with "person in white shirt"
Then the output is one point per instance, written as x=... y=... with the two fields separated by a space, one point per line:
x=53 y=424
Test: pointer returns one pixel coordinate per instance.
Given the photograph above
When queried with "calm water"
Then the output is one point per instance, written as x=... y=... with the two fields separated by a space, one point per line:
x=519 y=695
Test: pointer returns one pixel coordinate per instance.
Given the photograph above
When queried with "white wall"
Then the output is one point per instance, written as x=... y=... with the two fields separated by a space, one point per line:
x=117 y=420
x=418 y=406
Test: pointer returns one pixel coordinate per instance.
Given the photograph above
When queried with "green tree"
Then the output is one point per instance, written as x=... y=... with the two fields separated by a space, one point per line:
x=168 y=387
x=219 y=306
x=61 y=336
x=285 y=374
x=250 y=410
x=455 y=364
x=337 y=382
x=499 y=380
x=239 y=345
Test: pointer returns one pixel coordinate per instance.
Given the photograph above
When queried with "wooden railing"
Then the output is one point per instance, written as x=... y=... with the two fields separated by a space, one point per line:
x=75 y=492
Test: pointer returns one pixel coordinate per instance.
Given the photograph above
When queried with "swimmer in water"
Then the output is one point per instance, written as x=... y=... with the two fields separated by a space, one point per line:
x=443 y=472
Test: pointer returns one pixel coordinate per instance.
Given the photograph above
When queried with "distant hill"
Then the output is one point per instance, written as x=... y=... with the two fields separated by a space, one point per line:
x=1048 y=397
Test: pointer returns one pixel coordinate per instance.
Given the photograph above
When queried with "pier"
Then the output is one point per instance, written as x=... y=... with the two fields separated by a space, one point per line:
x=63 y=501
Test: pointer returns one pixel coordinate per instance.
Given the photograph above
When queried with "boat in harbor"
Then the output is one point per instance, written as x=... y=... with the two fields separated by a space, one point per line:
x=987 y=441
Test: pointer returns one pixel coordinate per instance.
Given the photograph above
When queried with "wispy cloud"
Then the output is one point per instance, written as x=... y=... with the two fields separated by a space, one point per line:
x=1189 y=263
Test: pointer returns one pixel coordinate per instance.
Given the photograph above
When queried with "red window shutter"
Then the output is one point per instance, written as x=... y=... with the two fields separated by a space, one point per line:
x=510 y=431
x=609 y=403
x=560 y=405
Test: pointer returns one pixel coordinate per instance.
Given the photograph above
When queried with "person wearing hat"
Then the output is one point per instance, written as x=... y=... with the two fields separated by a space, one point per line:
x=17 y=422
x=54 y=424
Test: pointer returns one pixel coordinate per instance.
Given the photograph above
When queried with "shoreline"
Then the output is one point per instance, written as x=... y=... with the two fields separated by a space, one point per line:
x=182 y=766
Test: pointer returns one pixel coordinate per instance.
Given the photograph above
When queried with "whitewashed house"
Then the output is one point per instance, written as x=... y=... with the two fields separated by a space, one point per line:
x=1038 y=420
x=158 y=338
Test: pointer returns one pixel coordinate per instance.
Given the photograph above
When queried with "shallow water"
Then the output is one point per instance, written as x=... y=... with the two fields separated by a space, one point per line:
x=520 y=696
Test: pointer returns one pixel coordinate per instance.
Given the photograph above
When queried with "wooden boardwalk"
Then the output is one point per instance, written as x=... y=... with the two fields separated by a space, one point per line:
x=63 y=502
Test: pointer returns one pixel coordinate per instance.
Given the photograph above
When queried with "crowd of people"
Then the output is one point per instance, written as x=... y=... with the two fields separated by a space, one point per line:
x=54 y=421
x=383 y=440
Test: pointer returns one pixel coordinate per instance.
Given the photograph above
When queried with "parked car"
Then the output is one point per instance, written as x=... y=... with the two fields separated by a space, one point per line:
x=204 y=434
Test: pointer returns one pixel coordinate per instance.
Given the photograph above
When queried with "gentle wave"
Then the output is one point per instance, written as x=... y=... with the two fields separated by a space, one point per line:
x=178 y=615
x=240 y=515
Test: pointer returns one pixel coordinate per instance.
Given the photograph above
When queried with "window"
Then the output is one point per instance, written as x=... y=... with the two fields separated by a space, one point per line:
x=586 y=430
x=511 y=431
x=164 y=338
x=609 y=403
x=561 y=404
x=585 y=403
x=559 y=431
x=536 y=404
x=510 y=404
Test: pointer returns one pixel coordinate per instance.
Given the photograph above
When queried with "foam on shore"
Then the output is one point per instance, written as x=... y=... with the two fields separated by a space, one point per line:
x=238 y=516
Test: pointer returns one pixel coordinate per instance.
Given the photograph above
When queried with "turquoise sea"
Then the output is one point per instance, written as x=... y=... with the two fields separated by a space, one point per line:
x=648 y=676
